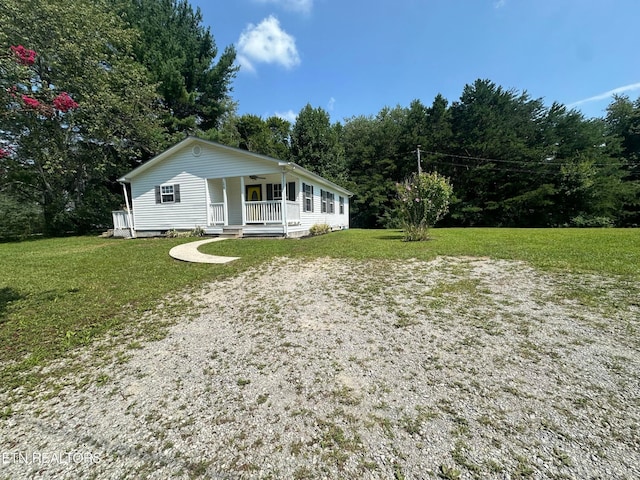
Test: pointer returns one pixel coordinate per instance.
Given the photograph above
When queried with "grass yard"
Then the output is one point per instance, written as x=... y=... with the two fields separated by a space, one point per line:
x=57 y=294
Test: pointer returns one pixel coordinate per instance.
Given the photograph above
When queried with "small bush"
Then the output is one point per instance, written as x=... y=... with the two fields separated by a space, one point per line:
x=319 y=229
x=423 y=199
x=588 y=221
x=196 y=232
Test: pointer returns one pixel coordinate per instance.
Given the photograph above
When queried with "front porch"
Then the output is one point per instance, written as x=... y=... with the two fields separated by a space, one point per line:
x=264 y=213
x=253 y=201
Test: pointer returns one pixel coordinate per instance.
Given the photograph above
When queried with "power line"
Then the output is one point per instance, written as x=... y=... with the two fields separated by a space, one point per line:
x=495 y=168
x=524 y=163
x=517 y=162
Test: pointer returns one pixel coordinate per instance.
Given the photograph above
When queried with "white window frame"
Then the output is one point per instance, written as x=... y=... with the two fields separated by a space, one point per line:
x=166 y=193
x=308 y=197
x=341 y=200
x=277 y=191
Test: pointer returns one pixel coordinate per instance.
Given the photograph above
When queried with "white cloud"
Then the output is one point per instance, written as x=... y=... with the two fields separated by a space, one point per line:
x=499 y=4
x=605 y=95
x=289 y=115
x=302 y=6
x=332 y=102
x=267 y=43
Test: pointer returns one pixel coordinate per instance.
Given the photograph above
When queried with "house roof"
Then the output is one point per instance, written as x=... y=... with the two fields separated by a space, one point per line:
x=191 y=140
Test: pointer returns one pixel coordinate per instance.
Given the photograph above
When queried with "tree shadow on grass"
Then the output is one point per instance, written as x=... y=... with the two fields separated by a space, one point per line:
x=7 y=295
x=391 y=235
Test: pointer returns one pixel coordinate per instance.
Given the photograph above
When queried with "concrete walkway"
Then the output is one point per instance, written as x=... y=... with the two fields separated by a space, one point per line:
x=188 y=252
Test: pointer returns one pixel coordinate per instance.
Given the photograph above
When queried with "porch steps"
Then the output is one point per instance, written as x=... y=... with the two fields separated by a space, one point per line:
x=232 y=232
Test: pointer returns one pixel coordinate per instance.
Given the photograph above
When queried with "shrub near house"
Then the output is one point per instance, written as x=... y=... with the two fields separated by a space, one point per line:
x=423 y=200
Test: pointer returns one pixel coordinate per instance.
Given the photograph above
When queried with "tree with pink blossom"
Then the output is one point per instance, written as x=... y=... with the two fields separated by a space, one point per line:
x=76 y=109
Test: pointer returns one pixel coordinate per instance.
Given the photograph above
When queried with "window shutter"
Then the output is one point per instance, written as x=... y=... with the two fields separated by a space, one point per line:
x=291 y=192
x=158 y=196
x=305 y=207
x=176 y=193
x=269 y=191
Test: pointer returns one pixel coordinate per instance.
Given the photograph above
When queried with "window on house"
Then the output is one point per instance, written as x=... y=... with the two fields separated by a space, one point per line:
x=323 y=201
x=291 y=191
x=308 y=197
x=331 y=197
x=167 y=193
x=274 y=191
x=341 y=200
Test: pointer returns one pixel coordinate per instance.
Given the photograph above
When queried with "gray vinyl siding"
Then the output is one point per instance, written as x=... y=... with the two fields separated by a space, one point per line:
x=235 y=201
x=189 y=213
x=334 y=220
x=190 y=172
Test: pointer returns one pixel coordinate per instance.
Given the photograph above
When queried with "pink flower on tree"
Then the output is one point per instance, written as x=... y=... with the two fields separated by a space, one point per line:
x=4 y=153
x=64 y=102
x=30 y=101
x=24 y=55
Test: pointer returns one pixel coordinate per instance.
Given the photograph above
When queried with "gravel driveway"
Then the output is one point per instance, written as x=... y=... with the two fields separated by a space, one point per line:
x=454 y=368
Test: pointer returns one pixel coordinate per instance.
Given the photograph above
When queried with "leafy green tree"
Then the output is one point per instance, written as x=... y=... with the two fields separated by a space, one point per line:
x=495 y=145
x=315 y=144
x=18 y=219
x=423 y=199
x=254 y=134
x=373 y=171
x=180 y=54
x=78 y=112
x=280 y=137
x=250 y=132
x=623 y=123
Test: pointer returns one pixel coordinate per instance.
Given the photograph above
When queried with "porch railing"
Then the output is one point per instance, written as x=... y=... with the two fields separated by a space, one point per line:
x=120 y=219
x=293 y=213
x=263 y=212
x=216 y=214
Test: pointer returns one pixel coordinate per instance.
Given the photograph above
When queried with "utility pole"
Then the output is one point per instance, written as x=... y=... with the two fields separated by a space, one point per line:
x=419 y=165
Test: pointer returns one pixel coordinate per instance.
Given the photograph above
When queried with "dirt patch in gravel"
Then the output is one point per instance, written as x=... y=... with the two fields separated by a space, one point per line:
x=454 y=368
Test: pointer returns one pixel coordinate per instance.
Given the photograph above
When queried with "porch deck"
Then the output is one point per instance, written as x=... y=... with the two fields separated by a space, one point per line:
x=254 y=213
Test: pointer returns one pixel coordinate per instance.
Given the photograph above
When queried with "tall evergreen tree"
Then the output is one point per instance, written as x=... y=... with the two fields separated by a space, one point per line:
x=181 y=55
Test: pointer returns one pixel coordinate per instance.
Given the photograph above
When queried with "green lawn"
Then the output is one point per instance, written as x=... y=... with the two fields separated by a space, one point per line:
x=606 y=251
x=56 y=294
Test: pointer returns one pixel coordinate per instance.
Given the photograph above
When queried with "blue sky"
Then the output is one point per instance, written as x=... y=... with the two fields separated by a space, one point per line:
x=354 y=57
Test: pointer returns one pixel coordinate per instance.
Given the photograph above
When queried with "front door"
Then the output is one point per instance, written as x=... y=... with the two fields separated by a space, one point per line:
x=254 y=193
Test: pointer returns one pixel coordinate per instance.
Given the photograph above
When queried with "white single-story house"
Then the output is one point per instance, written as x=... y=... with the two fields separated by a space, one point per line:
x=226 y=190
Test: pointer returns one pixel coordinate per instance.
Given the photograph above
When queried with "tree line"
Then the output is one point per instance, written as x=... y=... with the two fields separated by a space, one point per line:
x=138 y=75
x=512 y=160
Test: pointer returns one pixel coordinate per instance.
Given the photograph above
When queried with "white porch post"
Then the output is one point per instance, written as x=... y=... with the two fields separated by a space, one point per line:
x=242 y=200
x=224 y=200
x=126 y=201
x=284 y=202
x=207 y=200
